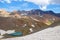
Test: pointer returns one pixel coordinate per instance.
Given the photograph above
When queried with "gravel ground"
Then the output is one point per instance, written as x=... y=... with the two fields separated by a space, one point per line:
x=52 y=33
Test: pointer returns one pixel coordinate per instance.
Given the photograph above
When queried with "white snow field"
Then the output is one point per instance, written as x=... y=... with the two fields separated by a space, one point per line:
x=52 y=33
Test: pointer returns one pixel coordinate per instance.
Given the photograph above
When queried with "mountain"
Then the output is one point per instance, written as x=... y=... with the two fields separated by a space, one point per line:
x=52 y=13
x=38 y=12
x=4 y=13
x=28 y=22
x=58 y=14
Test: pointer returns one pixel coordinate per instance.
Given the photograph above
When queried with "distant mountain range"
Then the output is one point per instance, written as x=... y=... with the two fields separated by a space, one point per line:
x=37 y=12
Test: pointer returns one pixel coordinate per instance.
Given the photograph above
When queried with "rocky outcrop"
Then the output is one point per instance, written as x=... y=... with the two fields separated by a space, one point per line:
x=4 y=13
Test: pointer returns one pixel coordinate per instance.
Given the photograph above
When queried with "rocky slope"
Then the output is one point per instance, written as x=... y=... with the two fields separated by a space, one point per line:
x=35 y=21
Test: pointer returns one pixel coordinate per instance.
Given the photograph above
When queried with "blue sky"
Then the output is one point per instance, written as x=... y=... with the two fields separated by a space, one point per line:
x=29 y=5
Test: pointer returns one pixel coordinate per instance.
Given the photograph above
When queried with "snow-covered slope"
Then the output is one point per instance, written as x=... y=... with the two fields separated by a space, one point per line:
x=52 y=33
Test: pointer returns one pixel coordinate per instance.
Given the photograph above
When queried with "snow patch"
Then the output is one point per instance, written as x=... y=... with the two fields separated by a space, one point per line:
x=2 y=32
x=35 y=19
x=33 y=25
x=31 y=30
x=10 y=31
x=24 y=25
x=46 y=34
x=1 y=36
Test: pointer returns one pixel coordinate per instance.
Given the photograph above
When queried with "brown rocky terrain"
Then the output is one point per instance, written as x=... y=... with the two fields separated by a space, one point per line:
x=27 y=24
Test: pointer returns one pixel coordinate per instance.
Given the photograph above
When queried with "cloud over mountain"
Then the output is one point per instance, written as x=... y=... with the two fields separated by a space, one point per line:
x=44 y=3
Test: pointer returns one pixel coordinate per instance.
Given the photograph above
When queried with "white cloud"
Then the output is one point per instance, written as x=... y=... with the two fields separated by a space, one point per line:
x=44 y=3
x=8 y=1
x=41 y=3
x=43 y=8
x=55 y=1
x=1 y=1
